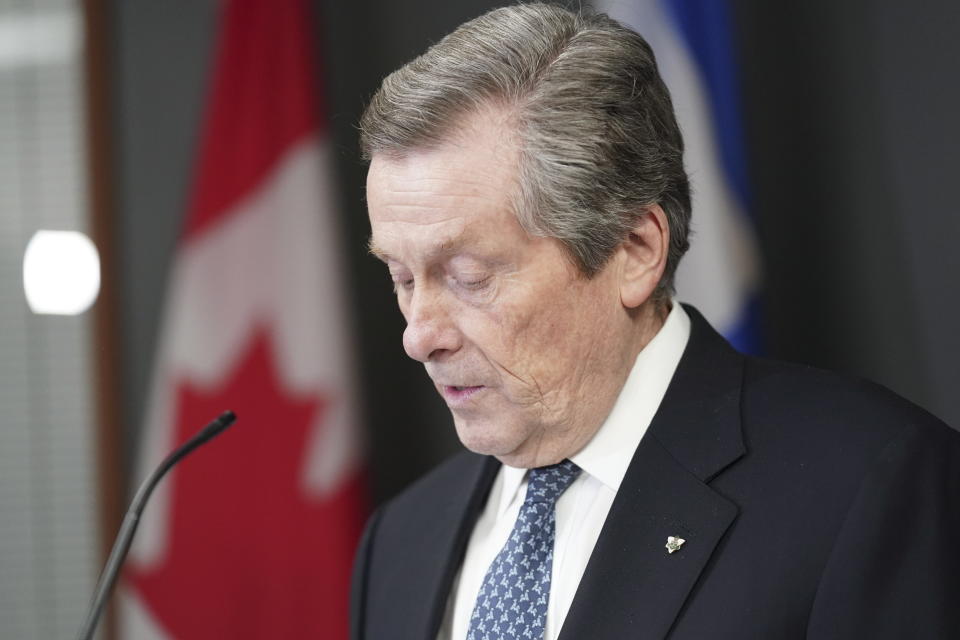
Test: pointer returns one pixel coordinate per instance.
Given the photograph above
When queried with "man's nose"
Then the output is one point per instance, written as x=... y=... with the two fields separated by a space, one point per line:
x=430 y=332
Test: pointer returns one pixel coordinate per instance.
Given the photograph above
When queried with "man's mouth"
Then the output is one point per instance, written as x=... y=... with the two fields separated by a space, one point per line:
x=457 y=394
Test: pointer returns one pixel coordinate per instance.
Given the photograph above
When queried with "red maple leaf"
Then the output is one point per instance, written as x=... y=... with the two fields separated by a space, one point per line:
x=249 y=554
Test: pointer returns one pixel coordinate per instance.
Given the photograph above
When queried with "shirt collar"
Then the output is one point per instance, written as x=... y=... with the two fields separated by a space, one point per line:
x=512 y=478
x=608 y=454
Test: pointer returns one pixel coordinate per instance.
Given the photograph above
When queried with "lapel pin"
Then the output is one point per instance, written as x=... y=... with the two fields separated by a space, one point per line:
x=674 y=543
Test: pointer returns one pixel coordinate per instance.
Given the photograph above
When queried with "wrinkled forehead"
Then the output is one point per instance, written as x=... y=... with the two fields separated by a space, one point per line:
x=436 y=203
x=461 y=178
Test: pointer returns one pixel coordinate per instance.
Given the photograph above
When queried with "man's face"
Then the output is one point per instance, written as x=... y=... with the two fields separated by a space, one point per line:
x=515 y=340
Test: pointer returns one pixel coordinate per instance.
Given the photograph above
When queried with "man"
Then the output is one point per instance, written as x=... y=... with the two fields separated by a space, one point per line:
x=629 y=474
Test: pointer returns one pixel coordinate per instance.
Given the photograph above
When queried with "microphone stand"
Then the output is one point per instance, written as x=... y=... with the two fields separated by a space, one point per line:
x=130 y=521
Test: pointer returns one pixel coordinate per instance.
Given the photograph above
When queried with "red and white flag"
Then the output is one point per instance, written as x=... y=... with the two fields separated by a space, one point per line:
x=253 y=535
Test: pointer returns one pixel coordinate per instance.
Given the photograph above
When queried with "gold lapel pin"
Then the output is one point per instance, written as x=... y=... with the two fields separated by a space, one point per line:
x=674 y=543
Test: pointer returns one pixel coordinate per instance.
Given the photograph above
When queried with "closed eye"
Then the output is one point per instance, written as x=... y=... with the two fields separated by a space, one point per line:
x=401 y=278
x=404 y=284
x=474 y=285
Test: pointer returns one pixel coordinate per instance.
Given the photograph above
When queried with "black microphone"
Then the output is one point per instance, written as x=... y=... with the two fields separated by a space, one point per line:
x=122 y=544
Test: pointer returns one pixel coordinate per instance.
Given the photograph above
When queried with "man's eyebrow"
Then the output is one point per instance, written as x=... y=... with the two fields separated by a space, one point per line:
x=376 y=251
x=447 y=247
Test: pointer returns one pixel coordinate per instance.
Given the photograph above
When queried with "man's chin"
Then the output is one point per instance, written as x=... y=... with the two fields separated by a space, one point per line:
x=486 y=439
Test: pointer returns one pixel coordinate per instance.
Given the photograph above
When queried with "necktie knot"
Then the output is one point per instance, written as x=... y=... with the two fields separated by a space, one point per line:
x=547 y=484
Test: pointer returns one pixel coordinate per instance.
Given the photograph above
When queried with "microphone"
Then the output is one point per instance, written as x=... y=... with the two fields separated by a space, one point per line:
x=130 y=521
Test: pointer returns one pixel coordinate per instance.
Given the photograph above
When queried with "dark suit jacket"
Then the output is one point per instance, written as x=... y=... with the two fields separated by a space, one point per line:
x=812 y=505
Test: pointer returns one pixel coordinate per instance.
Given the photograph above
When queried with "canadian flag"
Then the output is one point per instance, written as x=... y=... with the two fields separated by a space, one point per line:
x=253 y=536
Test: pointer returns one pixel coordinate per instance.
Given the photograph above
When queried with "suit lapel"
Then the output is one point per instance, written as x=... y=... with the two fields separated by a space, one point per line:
x=447 y=541
x=632 y=586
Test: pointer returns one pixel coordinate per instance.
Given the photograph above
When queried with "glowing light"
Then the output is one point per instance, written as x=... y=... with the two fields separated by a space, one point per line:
x=61 y=272
x=35 y=37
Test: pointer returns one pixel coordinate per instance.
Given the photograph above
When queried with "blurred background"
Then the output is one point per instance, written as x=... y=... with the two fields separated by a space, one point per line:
x=207 y=151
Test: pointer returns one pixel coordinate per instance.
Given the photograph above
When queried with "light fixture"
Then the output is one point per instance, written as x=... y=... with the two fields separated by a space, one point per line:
x=61 y=272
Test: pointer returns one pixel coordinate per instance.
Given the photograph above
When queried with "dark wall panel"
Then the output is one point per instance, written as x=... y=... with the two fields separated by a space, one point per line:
x=918 y=80
x=159 y=73
x=847 y=105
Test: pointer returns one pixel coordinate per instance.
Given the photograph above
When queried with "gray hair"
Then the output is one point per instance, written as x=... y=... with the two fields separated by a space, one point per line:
x=598 y=138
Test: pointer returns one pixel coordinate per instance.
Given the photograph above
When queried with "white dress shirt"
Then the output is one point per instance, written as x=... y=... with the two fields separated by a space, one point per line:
x=583 y=508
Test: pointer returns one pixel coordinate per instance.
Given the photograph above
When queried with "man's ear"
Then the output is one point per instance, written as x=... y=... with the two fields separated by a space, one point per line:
x=644 y=257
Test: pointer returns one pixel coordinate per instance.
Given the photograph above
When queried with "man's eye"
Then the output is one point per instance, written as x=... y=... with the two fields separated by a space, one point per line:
x=474 y=283
x=402 y=284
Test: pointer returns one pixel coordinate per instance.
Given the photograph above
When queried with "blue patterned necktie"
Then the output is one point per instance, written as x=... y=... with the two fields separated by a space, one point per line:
x=512 y=602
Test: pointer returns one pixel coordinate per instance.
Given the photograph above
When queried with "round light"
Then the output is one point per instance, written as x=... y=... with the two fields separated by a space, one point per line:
x=61 y=272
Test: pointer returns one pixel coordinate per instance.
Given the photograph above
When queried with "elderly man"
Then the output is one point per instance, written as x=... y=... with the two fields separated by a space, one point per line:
x=629 y=474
